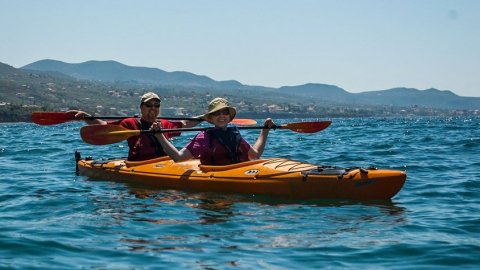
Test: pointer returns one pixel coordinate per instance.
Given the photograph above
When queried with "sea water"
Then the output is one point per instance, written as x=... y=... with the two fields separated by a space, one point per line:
x=52 y=219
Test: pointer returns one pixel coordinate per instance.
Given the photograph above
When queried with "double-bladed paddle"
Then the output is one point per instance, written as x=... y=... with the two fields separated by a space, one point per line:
x=108 y=134
x=54 y=118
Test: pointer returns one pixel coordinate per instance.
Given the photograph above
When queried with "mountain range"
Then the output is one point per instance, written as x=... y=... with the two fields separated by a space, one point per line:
x=112 y=71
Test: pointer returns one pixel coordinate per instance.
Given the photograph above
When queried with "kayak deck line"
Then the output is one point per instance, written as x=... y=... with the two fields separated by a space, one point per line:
x=138 y=163
x=272 y=176
x=293 y=164
x=213 y=168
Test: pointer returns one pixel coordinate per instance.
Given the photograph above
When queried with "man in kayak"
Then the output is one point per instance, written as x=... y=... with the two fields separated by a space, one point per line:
x=221 y=145
x=144 y=146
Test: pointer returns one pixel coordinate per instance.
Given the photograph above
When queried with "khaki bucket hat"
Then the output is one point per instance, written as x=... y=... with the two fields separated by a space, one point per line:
x=218 y=104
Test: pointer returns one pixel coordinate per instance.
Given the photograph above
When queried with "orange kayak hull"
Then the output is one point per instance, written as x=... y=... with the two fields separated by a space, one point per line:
x=274 y=177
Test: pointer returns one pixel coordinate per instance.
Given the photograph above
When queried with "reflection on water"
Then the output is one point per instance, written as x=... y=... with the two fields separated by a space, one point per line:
x=188 y=220
x=212 y=208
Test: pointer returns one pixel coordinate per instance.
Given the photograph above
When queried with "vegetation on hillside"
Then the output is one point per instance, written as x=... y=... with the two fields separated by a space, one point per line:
x=22 y=92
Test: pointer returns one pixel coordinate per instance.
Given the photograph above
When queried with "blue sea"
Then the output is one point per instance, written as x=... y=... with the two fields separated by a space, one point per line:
x=52 y=219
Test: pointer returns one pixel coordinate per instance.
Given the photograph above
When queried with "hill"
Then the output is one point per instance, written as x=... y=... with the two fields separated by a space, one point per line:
x=398 y=97
x=111 y=88
x=24 y=90
x=111 y=71
x=432 y=98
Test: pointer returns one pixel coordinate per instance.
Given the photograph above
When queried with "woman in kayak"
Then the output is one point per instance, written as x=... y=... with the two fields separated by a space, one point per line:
x=146 y=145
x=221 y=145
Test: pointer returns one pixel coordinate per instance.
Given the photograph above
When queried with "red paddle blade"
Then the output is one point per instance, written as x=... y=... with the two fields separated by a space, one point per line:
x=106 y=134
x=52 y=118
x=243 y=122
x=308 y=127
x=48 y=122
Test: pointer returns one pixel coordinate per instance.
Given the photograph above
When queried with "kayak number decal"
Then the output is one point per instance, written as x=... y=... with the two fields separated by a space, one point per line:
x=250 y=172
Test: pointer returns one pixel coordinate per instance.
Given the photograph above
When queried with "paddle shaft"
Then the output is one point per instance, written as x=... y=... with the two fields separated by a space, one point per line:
x=54 y=118
x=137 y=116
x=302 y=127
x=298 y=127
x=108 y=134
x=207 y=128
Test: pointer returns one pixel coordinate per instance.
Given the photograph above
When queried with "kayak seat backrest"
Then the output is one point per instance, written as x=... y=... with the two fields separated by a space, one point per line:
x=213 y=168
x=143 y=162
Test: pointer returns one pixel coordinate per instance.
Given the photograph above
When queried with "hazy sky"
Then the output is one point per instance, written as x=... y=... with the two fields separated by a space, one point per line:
x=359 y=45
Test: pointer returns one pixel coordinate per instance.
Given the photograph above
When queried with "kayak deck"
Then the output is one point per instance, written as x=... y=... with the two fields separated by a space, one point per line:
x=275 y=177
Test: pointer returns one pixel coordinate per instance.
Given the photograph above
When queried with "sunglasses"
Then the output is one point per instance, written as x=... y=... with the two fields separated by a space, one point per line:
x=223 y=111
x=156 y=105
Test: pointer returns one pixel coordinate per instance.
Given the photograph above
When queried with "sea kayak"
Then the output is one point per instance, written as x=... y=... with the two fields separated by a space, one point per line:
x=277 y=177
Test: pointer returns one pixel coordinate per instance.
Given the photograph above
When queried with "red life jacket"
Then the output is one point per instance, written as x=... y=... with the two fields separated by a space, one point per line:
x=225 y=146
x=146 y=146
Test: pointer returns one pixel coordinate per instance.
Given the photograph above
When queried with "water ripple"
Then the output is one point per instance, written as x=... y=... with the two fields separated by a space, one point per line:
x=53 y=219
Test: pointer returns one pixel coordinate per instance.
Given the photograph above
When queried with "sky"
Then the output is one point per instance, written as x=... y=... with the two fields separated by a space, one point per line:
x=358 y=45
